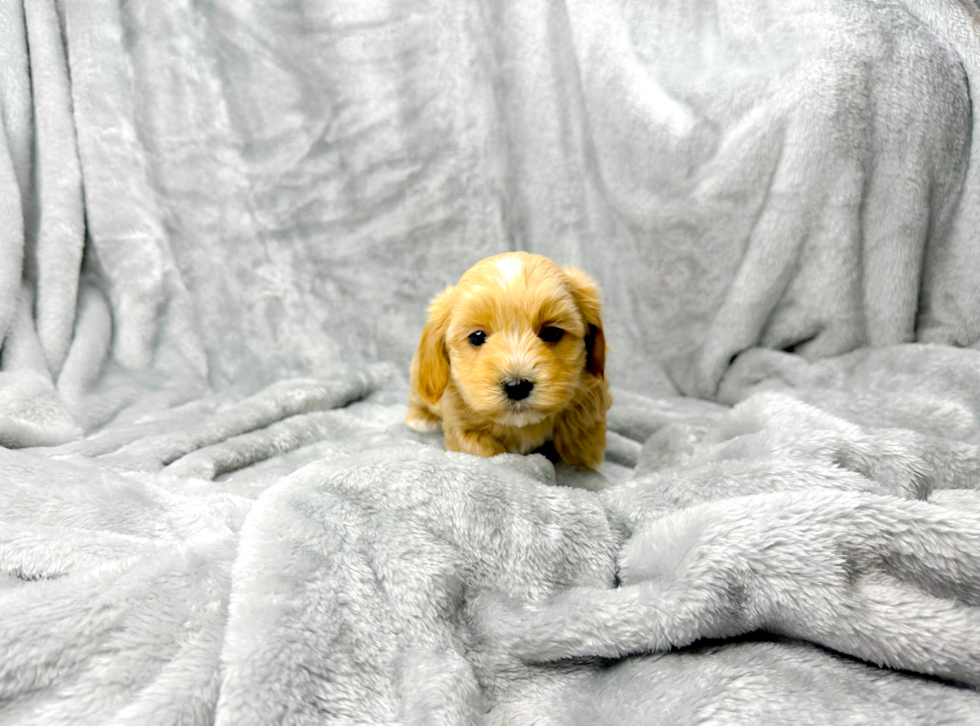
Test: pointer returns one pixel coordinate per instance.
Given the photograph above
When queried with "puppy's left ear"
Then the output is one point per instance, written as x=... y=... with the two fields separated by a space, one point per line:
x=589 y=300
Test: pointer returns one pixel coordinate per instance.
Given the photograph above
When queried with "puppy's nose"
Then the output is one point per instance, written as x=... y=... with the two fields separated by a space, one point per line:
x=518 y=389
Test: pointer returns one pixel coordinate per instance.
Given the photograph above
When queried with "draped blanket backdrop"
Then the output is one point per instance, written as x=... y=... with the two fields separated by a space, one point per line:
x=220 y=223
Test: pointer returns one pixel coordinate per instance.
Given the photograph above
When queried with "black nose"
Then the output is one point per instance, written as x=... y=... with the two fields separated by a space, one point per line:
x=518 y=389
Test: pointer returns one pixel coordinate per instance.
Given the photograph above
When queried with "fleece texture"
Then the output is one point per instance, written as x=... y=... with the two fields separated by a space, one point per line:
x=220 y=223
x=233 y=193
x=301 y=556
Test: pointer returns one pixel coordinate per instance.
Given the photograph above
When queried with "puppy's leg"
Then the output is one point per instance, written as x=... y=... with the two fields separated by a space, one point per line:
x=420 y=416
x=580 y=432
x=479 y=443
x=588 y=449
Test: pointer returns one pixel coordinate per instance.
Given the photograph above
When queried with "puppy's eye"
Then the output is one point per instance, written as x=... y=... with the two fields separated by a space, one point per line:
x=478 y=338
x=551 y=334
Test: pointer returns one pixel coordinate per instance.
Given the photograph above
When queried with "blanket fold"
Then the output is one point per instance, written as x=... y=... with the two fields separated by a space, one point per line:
x=219 y=224
x=332 y=562
x=798 y=177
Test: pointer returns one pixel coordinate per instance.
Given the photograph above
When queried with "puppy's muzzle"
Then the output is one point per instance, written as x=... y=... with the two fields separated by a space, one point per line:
x=518 y=389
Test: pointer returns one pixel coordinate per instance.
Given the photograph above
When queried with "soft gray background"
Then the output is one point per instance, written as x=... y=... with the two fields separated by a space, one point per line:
x=262 y=189
x=259 y=198
x=324 y=168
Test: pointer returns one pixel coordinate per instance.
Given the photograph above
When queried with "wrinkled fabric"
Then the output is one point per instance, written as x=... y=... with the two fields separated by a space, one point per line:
x=220 y=224
x=299 y=554
x=258 y=191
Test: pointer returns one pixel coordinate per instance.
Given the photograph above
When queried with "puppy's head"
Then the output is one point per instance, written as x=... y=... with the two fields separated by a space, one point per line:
x=517 y=335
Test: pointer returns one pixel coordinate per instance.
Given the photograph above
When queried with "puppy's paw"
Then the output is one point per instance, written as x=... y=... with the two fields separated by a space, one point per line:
x=421 y=419
x=478 y=443
x=423 y=425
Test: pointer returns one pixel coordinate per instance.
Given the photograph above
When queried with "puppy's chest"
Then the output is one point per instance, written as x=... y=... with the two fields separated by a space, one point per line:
x=523 y=440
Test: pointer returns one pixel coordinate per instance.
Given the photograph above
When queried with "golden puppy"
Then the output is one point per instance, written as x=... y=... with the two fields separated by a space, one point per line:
x=511 y=357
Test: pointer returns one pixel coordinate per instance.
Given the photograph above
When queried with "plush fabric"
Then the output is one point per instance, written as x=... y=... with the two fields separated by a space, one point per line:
x=220 y=224
x=287 y=558
x=257 y=190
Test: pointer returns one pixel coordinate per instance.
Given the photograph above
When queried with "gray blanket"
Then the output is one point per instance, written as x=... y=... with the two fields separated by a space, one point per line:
x=234 y=192
x=810 y=555
x=220 y=222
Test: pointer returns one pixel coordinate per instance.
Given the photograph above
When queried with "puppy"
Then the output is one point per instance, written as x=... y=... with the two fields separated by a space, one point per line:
x=511 y=357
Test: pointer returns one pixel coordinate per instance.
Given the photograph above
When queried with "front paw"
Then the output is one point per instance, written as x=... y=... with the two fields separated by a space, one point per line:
x=422 y=425
x=421 y=419
x=478 y=443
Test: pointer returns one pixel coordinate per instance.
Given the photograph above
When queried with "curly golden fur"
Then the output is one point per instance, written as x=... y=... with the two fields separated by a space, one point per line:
x=511 y=357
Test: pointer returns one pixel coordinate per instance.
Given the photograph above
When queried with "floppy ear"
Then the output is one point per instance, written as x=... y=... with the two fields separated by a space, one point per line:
x=430 y=369
x=586 y=294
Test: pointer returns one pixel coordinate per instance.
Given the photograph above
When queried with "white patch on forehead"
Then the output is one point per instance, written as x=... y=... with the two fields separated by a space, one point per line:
x=510 y=267
x=473 y=292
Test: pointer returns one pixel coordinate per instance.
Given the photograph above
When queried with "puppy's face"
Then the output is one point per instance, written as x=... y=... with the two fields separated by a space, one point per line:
x=518 y=333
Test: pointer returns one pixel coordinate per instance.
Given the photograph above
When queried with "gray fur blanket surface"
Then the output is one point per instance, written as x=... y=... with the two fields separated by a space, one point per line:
x=808 y=555
x=220 y=224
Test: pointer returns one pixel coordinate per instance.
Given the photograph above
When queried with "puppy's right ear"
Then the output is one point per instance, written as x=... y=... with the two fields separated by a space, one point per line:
x=431 y=371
